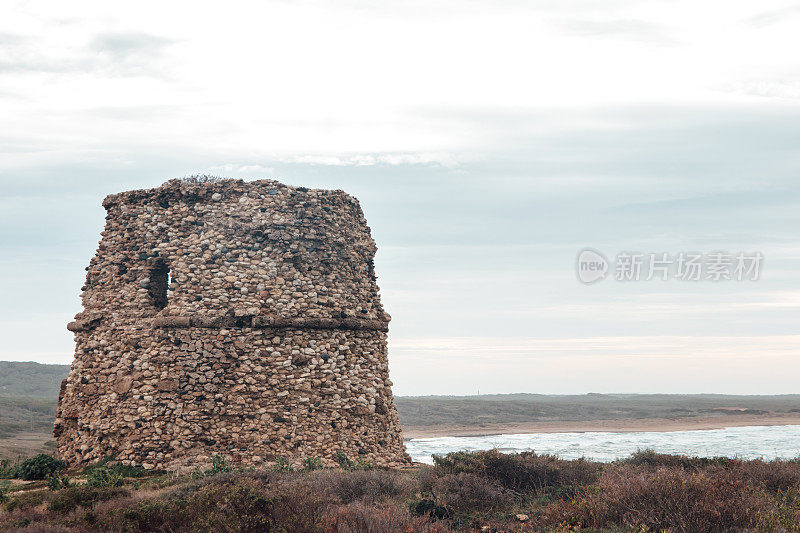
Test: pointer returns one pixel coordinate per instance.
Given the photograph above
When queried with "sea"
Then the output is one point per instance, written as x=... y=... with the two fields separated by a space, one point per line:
x=749 y=442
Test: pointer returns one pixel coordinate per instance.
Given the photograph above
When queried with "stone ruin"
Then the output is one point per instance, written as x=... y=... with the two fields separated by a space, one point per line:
x=230 y=318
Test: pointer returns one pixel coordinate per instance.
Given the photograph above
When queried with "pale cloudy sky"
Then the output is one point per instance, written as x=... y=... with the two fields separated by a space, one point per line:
x=488 y=143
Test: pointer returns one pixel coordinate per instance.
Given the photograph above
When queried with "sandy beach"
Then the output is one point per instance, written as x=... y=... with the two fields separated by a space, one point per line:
x=616 y=425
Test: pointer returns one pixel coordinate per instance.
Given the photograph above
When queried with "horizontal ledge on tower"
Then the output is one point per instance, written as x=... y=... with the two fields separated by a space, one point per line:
x=262 y=322
x=83 y=325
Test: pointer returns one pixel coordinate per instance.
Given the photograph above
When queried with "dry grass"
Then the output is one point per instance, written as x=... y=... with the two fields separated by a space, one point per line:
x=666 y=498
x=464 y=492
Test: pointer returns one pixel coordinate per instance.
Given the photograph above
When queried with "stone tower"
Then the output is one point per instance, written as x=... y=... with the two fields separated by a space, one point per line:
x=230 y=318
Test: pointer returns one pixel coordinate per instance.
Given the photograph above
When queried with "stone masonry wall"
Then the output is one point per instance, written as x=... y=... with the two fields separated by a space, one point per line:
x=232 y=318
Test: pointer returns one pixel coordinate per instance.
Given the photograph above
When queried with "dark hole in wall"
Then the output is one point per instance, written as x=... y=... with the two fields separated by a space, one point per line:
x=159 y=283
x=243 y=321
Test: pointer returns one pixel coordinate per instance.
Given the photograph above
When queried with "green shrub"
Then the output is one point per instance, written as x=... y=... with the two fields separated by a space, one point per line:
x=312 y=463
x=282 y=465
x=344 y=462
x=364 y=465
x=104 y=477
x=104 y=462
x=8 y=470
x=39 y=467
x=218 y=466
x=57 y=482
x=121 y=469
x=25 y=500
x=132 y=471
x=3 y=497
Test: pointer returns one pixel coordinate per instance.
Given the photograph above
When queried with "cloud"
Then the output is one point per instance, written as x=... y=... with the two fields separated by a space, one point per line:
x=627 y=29
x=680 y=346
x=237 y=168
x=376 y=159
x=7 y=39
x=128 y=53
x=787 y=87
x=773 y=16
x=122 y=46
x=630 y=364
x=22 y=54
x=105 y=54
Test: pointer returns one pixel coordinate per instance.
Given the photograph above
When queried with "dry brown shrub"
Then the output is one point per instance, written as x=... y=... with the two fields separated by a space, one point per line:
x=242 y=505
x=526 y=471
x=367 y=485
x=470 y=493
x=358 y=517
x=40 y=528
x=776 y=475
x=667 y=499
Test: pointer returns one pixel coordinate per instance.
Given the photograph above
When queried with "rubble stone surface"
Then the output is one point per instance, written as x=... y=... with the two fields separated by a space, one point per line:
x=230 y=318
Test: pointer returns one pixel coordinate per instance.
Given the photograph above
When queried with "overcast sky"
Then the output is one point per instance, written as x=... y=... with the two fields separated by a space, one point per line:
x=488 y=142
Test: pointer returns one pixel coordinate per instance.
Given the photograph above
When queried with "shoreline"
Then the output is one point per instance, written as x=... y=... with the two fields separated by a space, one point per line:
x=620 y=425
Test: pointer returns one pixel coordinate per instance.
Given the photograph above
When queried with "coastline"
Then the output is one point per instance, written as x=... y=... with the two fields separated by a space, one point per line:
x=621 y=425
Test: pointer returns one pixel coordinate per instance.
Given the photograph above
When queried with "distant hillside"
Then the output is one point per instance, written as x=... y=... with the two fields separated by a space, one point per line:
x=31 y=380
x=431 y=411
x=28 y=395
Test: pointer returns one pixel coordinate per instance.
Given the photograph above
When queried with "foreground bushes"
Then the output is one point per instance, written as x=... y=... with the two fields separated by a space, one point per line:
x=358 y=517
x=7 y=469
x=668 y=499
x=272 y=502
x=462 y=492
x=365 y=485
x=40 y=467
x=468 y=493
x=85 y=496
x=526 y=471
x=105 y=477
x=775 y=475
x=229 y=505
